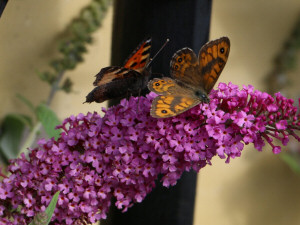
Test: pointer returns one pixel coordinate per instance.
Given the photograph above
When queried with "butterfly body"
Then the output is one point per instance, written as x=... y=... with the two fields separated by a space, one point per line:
x=196 y=92
x=118 y=82
x=192 y=79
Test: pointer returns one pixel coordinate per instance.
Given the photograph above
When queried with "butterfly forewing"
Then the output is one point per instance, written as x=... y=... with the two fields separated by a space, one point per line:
x=184 y=66
x=140 y=56
x=212 y=59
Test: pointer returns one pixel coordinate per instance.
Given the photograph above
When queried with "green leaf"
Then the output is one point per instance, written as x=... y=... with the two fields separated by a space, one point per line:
x=67 y=85
x=27 y=120
x=57 y=65
x=87 y=16
x=47 y=76
x=292 y=161
x=49 y=120
x=12 y=129
x=50 y=209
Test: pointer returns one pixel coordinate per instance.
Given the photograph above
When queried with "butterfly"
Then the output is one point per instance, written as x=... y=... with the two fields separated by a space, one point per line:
x=118 y=82
x=192 y=79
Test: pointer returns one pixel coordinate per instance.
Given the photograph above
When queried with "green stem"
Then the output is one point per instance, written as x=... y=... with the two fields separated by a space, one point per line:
x=54 y=87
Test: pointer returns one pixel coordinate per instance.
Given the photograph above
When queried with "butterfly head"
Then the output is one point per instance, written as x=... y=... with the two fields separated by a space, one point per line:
x=203 y=96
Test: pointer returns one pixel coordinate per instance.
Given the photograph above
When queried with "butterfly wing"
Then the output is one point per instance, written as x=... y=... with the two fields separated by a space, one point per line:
x=171 y=105
x=118 y=82
x=111 y=73
x=212 y=59
x=115 y=82
x=136 y=61
x=174 y=98
x=139 y=57
x=162 y=86
x=184 y=67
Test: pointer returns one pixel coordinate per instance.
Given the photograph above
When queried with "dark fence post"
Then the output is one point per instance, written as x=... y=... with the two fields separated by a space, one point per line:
x=2 y=6
x=186 y=24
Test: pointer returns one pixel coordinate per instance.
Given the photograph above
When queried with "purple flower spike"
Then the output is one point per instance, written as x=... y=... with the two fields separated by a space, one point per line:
x=121 y=154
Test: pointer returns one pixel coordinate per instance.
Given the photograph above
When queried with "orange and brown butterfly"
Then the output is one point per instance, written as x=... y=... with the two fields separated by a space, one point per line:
x=119 y=82
x=192 y=78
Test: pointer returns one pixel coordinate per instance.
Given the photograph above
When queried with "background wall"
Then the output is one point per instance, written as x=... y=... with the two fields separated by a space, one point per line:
x=257 y=188
x=29 y=36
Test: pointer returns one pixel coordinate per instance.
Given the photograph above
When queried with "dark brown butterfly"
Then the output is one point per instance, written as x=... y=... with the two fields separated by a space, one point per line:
x=119 y=82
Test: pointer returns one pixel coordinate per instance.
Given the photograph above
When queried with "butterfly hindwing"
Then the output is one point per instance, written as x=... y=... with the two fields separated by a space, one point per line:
x=126 y=83
x=184 y=66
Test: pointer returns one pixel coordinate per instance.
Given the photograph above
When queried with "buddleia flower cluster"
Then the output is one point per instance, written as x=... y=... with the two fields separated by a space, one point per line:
x=122 y=154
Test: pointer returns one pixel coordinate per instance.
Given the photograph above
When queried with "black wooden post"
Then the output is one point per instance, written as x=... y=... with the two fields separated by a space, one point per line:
x=186 y=24
x=2 y=6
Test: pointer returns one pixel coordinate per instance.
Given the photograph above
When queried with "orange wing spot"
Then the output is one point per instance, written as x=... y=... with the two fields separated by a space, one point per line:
x=226 y=47
x=209 y=80
x=215 y=51
x=217 y=68
x=209 y=58
x=183 y=68
x=188 y=57
x=188 y=101
x=162 y=87
x=162 y=107
x=143 y=57
x=160 y=104
x=135 y=61
x=184 y=104
x=209 y=50
x=204 y=60
x=167 y=99
x=176 y=67
x=224 y=57
x=179 y=108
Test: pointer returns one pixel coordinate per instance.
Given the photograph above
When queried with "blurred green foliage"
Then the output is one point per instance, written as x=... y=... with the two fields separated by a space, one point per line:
x=285 y=61
x=72 y=48
x=278 y=80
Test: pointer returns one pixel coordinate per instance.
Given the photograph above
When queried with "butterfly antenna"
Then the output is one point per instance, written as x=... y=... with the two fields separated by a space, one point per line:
x=161 y=48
